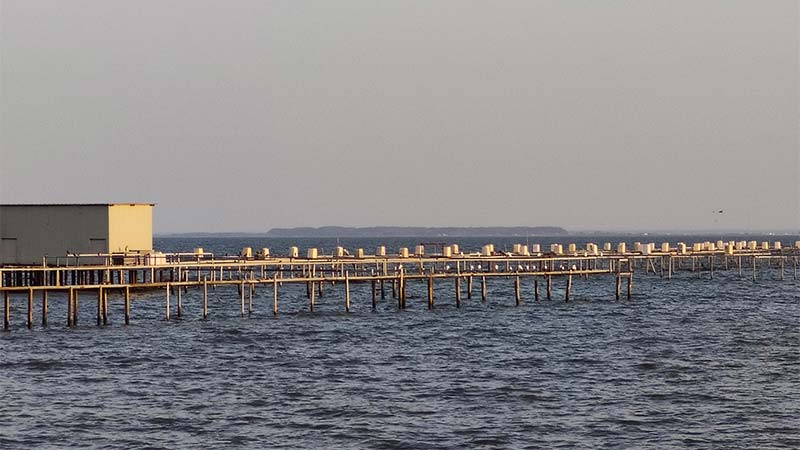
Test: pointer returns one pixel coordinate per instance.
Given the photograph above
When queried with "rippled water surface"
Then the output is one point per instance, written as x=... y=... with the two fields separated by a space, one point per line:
x=688 y=363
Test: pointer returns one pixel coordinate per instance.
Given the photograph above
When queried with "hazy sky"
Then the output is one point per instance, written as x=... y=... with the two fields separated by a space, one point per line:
x=246 y=115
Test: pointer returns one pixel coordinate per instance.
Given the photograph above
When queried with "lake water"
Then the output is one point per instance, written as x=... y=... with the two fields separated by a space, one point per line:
x=688 y=363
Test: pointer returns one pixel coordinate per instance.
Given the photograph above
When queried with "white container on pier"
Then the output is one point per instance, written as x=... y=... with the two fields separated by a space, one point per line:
x=198 y=251
x=403 y=252
x=559 y=249
x=524 y=251
x=380 y=251
x=796 y=244
x=447 y=251
x=264 y=253
x=741 y=245
x=456 y=249
x=419 y=250
x=360 y=253
x=607 y=247
x=517 y=249
x=765 y=245
x=339 y=252
x=536 y=248
x=720 y=245
x=572 y=248
x=665 y=247
x=294 y=252
x=155 y=259
x=637 y=246
x=681 y=248
x=621 y=247
x=776 y=245
x=646 y=249
x=312 y=253
x=485 y=251
x=752 y=245
x=247 y=253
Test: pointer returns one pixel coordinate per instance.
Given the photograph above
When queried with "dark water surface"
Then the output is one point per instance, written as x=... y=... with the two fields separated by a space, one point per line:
x=688 y=363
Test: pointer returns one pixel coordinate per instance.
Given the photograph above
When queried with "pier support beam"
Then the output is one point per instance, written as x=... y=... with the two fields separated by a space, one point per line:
x=44 y=307
x=517 y=295
x=6 y=311
x=483 y=288
x=569 y=287
x=127 y=305
x=166 y=312
x=536 y=289
x=549 y=287
x=347 y=291
x=630 y=285
x=458 y=292
x=275 y=295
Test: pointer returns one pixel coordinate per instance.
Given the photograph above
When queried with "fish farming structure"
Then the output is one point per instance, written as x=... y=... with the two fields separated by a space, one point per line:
x=176 y=273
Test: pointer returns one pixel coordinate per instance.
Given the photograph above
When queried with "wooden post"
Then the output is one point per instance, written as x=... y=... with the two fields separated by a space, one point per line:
x=549 y=287
x=7 y=311
x=99 y=306
x=782 y=266
x=44 y=307
x=75 y=308
x=374 y=295
x=383 y=291
x=179 y=305
x=166 y=312
x=469 y=287
x=430 y=291
x=711 y=266
x=241 y=298
x=618 y=287
x=516 y=289
x=401 y=286
x=347 y=291
x=569 y=287
x=275 y=295
x=754 y=268
x=127 y=305
x=536 y=289
x=311 y=298
x=458 y=291
x=105 y=306
x=70 y=296
x=321 y=283
x=630 y=285
x=483 y=288
x=205 y=297
x=250 y=299
x=394 y=287
x=669 y=267
x=30 y=308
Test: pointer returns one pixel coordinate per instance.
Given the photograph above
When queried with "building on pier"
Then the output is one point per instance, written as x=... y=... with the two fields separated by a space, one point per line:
x=31 y=232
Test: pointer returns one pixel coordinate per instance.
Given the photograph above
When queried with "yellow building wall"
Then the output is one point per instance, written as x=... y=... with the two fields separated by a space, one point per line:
x=130 y=227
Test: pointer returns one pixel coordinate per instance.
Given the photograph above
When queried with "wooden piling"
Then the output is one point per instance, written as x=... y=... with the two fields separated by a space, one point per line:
x=383 y=291
x=75 y=297
x=374 y=294
x=483 y=288
x=105 y=306
x=517 y=295
x=469 y=287
x=617 y=286
x=347 y=291
x=250 y=299
x=44 y=307
x=430 y=291
x=166 y=312
x=569 y=287
x=536 y=289
x=630 y=285
x=549 y=287
x=30 y=308
x=99 y=306
x=275 y=295
x=311 y=300
x=179 y=303
x=127 y=305
x=205 y=297
x=70 y=299
x=7 y=311
x=458 y=291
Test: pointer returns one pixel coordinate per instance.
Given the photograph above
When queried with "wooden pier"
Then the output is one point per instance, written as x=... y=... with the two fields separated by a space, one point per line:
x=175 y=275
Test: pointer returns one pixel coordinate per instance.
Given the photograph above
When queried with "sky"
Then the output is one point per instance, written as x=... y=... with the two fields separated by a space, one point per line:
x=247 y=115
